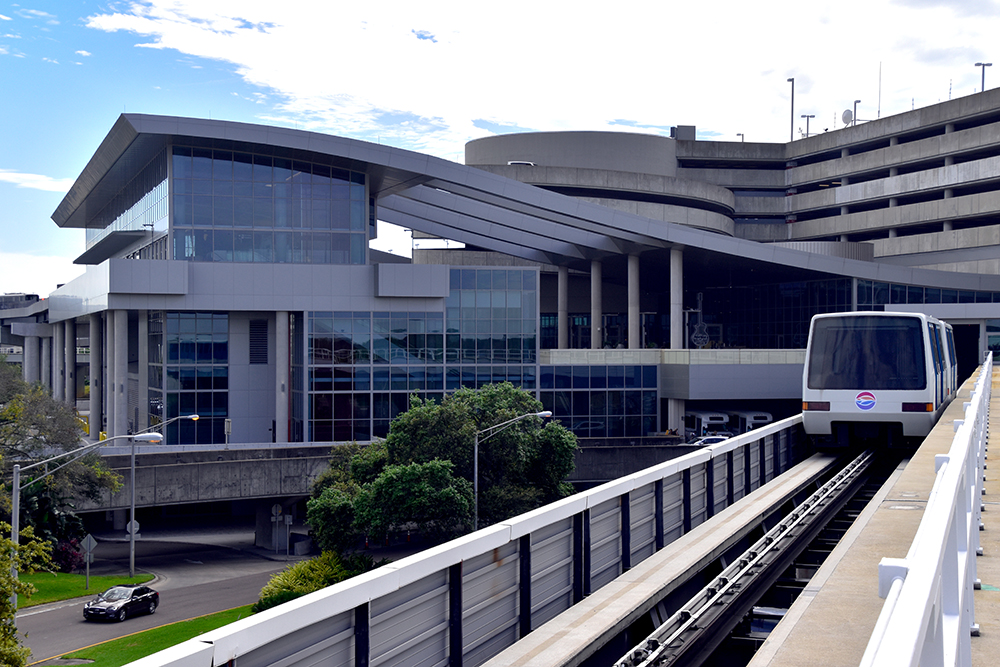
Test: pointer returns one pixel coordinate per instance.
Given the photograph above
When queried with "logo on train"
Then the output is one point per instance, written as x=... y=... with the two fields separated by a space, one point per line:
x=865 y=400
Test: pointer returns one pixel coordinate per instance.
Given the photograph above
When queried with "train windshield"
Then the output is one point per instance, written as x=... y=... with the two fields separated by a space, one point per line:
x=861 y=352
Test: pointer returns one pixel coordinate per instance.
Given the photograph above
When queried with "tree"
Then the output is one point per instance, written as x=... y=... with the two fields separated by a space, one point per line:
x=34 y=427
x=30 y=555
x=521 y=467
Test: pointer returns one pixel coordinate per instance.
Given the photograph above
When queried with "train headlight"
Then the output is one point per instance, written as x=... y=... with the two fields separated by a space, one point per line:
x=918 y=407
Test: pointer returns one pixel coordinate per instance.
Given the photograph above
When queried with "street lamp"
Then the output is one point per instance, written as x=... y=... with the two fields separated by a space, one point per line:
x=740 y=135
x=16 y=488
x=791 y=134
x=491 y=431
x=807 y=117
x=133 y=526
x=856 y=103
x=983 y=66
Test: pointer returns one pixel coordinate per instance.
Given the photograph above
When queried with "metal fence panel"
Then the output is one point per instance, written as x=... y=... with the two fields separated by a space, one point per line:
x=739 y=470
x=605 y=543
x=643 y=519
x=330 y=641
x=673 y=507
x=699 y=495
x=489 y=603
x=551 y=571
x=720 y=486
x=409 y=627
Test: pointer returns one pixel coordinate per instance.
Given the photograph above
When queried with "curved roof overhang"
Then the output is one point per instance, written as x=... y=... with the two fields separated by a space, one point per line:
x=467 y=204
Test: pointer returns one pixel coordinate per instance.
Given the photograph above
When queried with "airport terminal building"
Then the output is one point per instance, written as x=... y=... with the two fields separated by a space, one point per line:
x=623 y=278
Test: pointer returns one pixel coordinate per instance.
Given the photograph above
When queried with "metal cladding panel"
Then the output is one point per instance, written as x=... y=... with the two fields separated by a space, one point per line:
x=643 y=519
x=409 y=627
x=739 y=470
x=605 y=543
x=699 y=495
x=673 y=507
x=331 y=642
x=721 y=484
x=769 y=459
x=755 y=465
x=489 y=603
x=551 y=571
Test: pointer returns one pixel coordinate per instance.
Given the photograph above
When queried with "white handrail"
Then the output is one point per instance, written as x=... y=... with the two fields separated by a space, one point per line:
x=929 y=617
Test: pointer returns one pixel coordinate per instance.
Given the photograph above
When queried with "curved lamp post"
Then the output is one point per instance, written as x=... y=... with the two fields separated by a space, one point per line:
x=16 y=488
x=491 y=431
x=133 y=525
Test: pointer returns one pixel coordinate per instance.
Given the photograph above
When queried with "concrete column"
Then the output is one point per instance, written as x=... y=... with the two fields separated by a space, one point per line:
x=893 y=202
x=96 y=375
x=596 y=306
x=675 y=415
x=143 y=398
x=949 y=193
x=892 y=233
x=119 y=374
x=562 y=307
x=893 y=171
x=69 y=341
x=634 y=337
x=843 y=238
x=676 y=299
x=29 y=366
x=854 y=295
x=844 y=152
x=282 y=377
x=844 y=210
x=109 y=364
x=46 y=354
x=845 y=180
x=893 y=141
x=948 y=161
x=59 y=359
x=946 y=226
x=949 y=128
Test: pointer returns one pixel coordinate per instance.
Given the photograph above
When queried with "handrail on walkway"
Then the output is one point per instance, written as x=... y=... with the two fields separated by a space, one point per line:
x=929 y=617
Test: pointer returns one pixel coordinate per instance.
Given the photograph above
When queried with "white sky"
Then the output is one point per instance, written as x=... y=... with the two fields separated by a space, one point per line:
x=431 y=76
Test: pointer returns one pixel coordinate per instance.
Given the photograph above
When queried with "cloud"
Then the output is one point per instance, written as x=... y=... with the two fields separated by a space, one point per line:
x=50 y=60
x=36 y=181
x=423 y=34
x=82 y=53
x=50 y=19
x=5 y=18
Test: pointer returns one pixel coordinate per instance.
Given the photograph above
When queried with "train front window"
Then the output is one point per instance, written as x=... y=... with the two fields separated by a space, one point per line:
x=867 y=353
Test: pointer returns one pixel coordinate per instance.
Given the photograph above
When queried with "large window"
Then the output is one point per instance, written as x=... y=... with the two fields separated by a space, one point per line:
x=601 y=401
x=239 y=207
x=189 y=374
x=869 y=352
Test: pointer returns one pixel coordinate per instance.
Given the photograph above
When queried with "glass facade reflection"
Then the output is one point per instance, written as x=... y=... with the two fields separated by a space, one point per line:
x=240 y=207
x=189 y=374
x=601 y=401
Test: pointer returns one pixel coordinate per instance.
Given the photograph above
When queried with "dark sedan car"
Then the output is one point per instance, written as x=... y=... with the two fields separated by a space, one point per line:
x=119 y=602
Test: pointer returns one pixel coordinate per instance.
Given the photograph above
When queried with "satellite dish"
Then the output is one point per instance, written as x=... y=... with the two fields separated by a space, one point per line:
x=847 y=116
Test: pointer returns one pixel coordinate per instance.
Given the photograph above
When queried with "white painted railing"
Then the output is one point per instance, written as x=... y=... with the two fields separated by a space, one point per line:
x=928 y=617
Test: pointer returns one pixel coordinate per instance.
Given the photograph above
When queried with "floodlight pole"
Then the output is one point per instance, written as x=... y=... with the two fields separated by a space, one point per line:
x=490 y=431
x=791 y=133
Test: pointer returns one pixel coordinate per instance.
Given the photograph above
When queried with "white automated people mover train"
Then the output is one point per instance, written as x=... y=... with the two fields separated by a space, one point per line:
x=874 y=376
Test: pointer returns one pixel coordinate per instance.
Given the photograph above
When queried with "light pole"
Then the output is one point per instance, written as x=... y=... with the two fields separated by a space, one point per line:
x=807 y=117
x=740 y=135
x=160 y=426
x=856 y=103
x=491 y=431
x=133 y=525
x=982 y=67
x=16 y=488
x=791 y=134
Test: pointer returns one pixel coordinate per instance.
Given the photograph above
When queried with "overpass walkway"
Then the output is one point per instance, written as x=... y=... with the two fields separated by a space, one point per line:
x=832 y=620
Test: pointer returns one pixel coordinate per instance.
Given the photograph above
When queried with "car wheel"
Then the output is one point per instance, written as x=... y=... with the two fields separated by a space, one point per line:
x=152 y=607
x=121 y=615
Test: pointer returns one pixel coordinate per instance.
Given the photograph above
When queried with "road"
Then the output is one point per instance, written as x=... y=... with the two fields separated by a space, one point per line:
x=192 y=579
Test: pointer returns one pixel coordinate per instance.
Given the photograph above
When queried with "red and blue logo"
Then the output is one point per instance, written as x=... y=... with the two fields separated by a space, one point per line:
x=865 y=400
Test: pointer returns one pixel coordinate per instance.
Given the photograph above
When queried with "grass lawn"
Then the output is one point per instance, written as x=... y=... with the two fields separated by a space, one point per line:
x=62 y=586
x=127 y=649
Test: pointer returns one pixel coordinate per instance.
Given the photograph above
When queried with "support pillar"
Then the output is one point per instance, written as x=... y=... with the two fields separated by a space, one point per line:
x=676 y=299
x=282 y=378
x=634 y=336
x=29 y=360
x=96 y=375
x=109 y=378
x=119 y=373
x=562 y=307
x=596 y=306
x=946 y=226
x=69 y=340
x=46 y=354
x=59 y=359
x=142 y=399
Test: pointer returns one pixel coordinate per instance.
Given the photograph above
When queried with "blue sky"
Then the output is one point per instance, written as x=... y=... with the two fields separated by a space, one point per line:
x=431 y=76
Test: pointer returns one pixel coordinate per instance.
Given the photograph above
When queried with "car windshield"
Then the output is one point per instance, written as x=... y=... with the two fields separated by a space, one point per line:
x=116 y=593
